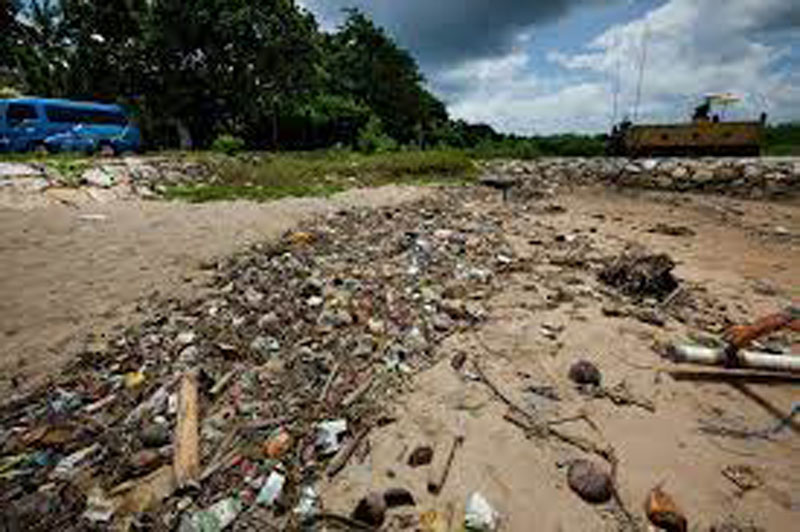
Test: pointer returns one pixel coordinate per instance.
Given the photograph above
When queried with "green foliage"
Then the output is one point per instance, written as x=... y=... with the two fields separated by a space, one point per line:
x=227 y=144
x=782 y=139
x=551 y=146
x=372 y=139
x=9 y=92
x=322 y=173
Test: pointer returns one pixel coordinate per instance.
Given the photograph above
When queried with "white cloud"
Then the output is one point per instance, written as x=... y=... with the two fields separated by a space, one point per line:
x=692 y=47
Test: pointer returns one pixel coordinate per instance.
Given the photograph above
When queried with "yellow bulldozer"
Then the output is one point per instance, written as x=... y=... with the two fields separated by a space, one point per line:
x=706 y=135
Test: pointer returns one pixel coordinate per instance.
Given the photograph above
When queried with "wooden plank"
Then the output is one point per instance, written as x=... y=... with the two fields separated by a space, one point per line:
x=186 y=461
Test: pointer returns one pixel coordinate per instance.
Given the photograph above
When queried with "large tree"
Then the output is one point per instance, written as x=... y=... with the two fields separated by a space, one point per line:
x=368 y=64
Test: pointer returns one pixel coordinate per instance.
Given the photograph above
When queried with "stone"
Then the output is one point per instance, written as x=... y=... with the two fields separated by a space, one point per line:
x=97 y=177
x=371 y=510
x=703 y=175
x=253 y=296
x=155 y=435
x=268 y=321
x=422 y=455
x=475 y=310
x=680 y=172
x=584 y=372
x=455 y=308
x=186 y=338
x=189 y=355
x=442 y=322
x=335 y=318
x=590 y=482
x=415 y=341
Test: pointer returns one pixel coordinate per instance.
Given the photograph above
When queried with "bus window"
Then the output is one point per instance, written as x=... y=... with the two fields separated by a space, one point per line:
x=62 y=115
x=77 y=115
x=18 y=112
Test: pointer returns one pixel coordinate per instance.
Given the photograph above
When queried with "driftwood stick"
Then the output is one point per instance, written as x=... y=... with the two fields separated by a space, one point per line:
x=340 y=460
x=500 y=395
x=438 y=476
x=358 y=392
x=187 y=446
x=328 y=383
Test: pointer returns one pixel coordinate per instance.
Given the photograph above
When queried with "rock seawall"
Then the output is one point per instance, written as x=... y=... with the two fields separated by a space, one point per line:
x=764 y=177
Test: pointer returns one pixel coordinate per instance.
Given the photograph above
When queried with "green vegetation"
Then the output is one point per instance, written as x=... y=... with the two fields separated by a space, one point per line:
x=227 y=144
x=783 y=139
x=550 y=146
x=268 y=176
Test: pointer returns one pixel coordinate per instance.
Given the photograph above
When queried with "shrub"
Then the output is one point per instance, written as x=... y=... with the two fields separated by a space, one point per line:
x=372 y=139
x=227 y=144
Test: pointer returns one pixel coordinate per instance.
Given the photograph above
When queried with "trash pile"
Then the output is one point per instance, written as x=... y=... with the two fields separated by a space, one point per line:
x=223 y=412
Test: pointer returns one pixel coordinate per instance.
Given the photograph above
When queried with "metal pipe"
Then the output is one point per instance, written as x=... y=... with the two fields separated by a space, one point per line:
x=748 y=359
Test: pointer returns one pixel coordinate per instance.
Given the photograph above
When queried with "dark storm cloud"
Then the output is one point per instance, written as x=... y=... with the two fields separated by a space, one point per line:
x=439 y=31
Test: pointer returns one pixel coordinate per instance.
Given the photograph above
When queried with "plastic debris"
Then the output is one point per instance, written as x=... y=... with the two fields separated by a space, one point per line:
x=329 y=436
x=278 y=444
x=134 y=379
x=308 y=503
x=215 y=518
x=272 y=489
x=68 y=466
x=479 y=515
x=663 y=512
x=99 y=508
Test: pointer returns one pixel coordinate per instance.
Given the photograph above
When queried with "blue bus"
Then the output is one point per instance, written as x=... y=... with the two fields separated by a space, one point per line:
x=39 y=124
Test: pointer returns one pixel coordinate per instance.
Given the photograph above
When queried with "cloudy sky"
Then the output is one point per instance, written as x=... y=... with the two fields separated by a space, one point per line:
x=531 y=66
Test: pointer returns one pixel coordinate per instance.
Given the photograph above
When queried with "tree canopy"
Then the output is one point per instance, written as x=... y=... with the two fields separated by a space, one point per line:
x=191 y=70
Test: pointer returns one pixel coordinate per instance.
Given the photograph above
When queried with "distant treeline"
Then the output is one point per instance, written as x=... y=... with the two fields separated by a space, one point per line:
x=783 y=139
x=256 y=72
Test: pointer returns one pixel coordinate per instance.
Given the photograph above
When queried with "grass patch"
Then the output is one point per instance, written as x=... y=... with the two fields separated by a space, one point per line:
x=263 y=177
x=207 y=192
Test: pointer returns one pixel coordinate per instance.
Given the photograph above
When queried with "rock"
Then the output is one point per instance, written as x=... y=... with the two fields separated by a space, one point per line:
x=442 y=322
x=268 y=321
x=97 y=177
x=680 y=172
x=155 y=435
x=186 y=338
x=189 y=355
x=315 y=301
x=415 y=341
x=253 y=296
x=703 y=175
x=455 y=308
x=590 y=482
x=335 y=318
x=649 y=164
x=422 y=455
x=371 y=510
x=584 y=372
x=458 y=361
x=671 y=230
x=475 y=310
x=395 y=497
